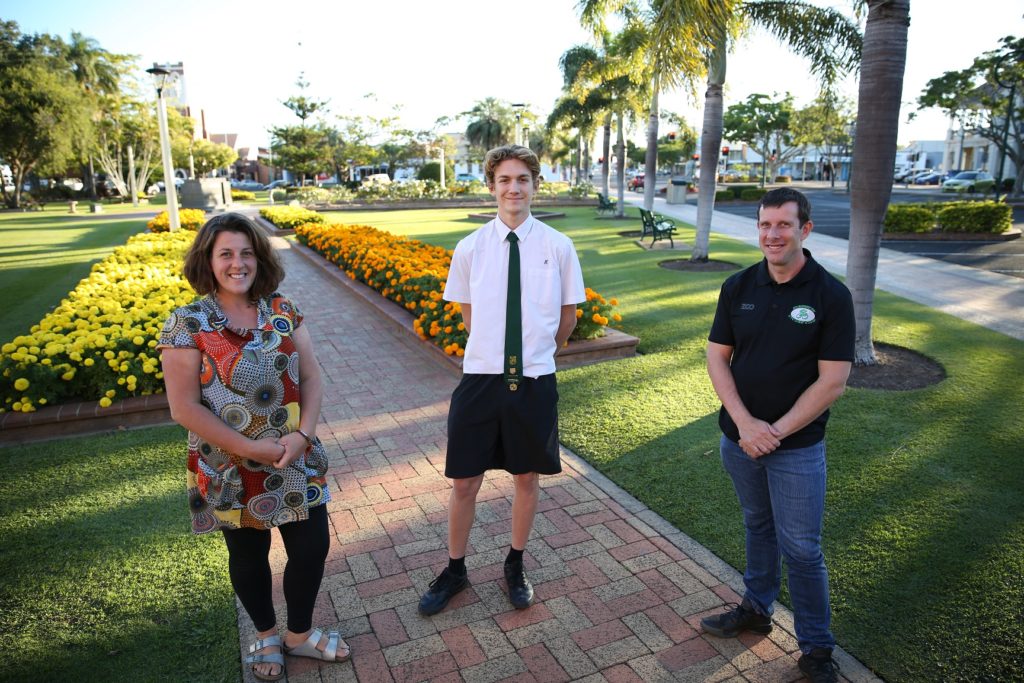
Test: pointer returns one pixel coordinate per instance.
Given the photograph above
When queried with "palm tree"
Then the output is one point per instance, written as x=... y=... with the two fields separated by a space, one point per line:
x=874 y=151
x=614 y=84
x=824 y=36
x=668 y=59
x=98 y=72
x=490 y=124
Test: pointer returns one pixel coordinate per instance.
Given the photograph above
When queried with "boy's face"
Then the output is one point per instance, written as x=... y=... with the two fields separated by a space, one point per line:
x=513 y=187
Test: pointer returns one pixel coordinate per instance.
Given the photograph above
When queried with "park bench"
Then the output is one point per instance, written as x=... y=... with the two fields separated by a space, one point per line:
x=658 y=227
x=605 y=206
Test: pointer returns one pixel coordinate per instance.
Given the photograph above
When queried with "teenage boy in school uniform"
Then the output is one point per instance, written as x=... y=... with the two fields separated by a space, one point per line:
x=518 y=282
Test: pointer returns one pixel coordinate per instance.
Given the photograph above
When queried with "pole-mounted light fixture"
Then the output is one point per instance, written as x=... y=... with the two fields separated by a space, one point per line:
x=161 y=78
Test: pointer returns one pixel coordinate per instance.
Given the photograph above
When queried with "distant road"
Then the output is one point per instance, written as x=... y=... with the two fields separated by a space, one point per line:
x=831 y=216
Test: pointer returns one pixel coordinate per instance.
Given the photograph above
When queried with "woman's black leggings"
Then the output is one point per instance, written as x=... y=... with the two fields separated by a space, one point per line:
x=306 y=543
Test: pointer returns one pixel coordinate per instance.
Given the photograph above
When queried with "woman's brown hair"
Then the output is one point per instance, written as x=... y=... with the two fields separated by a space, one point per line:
x=269 y=272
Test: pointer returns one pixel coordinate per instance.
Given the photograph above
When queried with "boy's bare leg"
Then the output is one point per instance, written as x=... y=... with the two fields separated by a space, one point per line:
x=461 y=511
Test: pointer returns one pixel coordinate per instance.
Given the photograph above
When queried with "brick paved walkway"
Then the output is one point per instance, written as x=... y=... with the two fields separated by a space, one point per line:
x=620 y=592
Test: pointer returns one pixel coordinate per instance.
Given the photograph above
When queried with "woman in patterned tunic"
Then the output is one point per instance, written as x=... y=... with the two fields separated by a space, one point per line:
x=242 y=378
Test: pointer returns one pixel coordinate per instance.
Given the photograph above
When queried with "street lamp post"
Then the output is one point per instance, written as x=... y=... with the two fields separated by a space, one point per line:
x=518 y=109
x=162 y=77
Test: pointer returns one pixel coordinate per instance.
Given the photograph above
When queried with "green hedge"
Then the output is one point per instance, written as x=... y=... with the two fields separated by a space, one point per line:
x=724 y=196
x=975 y=217
x=737 y=190
x=783 y=179
x=949 y=217
x=909 y=218
x=288 y=217
x=753 y=194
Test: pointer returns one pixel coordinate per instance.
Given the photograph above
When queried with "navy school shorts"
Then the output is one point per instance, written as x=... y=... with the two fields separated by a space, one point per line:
x=493 y=428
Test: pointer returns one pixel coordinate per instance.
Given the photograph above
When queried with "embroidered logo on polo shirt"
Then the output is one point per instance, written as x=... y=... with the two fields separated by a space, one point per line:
x=746 y=307
x=802 y=314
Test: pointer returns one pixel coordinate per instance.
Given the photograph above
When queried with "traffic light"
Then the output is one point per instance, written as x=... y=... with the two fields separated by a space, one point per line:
x=672 y=136
x=725 y=150
x=696 y=157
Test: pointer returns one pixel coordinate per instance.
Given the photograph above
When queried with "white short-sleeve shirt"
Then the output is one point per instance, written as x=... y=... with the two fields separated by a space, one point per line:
x=550 y=278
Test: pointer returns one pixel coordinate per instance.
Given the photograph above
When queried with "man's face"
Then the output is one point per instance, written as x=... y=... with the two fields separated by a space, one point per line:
x=780 y=234
x=513 y=187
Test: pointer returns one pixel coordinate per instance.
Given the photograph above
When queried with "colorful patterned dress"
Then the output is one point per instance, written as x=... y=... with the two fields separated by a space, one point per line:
x=251 y=382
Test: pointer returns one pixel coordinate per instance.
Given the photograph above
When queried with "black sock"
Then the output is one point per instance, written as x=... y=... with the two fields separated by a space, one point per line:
x=457 y=566
x=514 y=555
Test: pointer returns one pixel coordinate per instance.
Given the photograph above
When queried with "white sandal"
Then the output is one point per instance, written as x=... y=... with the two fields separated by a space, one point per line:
x=275 y=658
x=328 y=654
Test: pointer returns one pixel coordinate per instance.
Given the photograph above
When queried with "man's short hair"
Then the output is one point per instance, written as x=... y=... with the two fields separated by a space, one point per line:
x=500 y=154
x=197 y=270
x=780 y=195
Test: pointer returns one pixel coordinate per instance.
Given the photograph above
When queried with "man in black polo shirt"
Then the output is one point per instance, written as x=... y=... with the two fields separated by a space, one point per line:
x=779 y=354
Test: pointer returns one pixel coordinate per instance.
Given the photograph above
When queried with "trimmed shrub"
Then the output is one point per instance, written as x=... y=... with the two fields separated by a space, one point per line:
x=190 y=219
x=975 y=217
x=724 y=196
x=737 y=190
x=279 y=195
x=242 y=196
x=753 y=194
x=432 y=171
x=582 y=190
x=909 y=218
x=783 y=179
x=288 y=217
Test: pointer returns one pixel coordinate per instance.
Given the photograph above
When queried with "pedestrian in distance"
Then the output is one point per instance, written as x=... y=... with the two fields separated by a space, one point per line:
x=779 y=354
x=517 y=282
x=241 y=376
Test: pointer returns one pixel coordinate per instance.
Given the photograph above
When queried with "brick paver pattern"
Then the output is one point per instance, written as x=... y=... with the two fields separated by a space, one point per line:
x=616 y=601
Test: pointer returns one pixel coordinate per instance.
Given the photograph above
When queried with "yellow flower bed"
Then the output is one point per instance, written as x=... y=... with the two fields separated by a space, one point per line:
x=98 y=343
x=190 y=219
x=413 y=274
x=287 y=217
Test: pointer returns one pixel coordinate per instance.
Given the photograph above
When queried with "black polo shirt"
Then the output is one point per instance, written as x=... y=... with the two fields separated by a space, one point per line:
x=779 y=332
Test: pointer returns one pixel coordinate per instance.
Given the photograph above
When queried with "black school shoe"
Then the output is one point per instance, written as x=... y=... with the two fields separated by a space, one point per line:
x=732 y=623
x=819 y=666
x=520 y=591
x=442 y=589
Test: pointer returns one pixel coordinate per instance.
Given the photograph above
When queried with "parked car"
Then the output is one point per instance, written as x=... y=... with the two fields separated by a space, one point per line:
x=969 y=181
x=467 y=178
x=730 y=176
x=249 y=186
x=636 y=183
x=909 y=177
x=933 y=178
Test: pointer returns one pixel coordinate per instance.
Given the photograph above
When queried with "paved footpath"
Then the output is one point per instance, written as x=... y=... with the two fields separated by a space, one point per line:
x=620 y=591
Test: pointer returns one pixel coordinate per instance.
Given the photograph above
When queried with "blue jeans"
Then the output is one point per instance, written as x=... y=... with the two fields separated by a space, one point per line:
x=783 y=499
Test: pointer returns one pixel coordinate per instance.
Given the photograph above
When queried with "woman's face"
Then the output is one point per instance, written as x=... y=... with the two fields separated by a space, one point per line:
x=233 y=261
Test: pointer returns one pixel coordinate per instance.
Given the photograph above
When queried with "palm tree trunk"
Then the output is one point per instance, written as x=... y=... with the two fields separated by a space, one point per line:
x=651 y=159
x=710 y=144
x=881 y=86
x=620 y=168
x=606 y=154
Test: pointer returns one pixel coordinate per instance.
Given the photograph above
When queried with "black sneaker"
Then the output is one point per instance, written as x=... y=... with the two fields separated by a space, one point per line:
x=730 y=624
x=520 y=591
x=442 y=589
x=819 y=666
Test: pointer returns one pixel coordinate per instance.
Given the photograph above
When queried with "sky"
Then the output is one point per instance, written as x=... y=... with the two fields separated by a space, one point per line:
x=433 y=59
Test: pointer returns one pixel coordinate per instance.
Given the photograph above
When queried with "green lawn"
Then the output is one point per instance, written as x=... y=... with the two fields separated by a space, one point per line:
x=100 y=578
x=43 y=255
x=925 y=525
